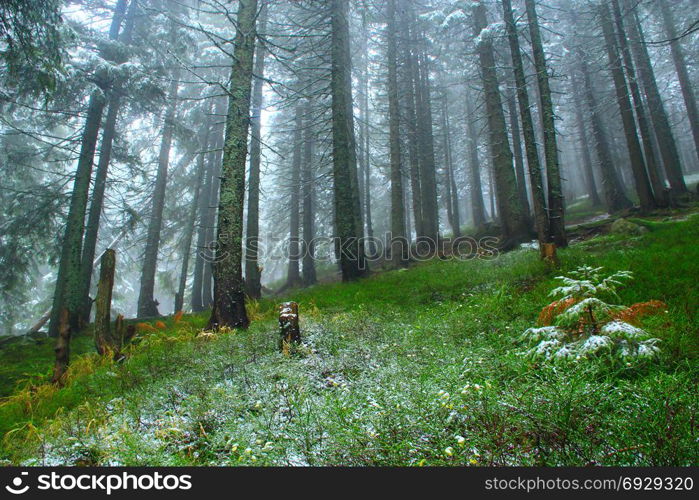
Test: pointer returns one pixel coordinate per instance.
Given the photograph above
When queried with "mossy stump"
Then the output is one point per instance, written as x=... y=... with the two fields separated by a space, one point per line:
x=289 y=330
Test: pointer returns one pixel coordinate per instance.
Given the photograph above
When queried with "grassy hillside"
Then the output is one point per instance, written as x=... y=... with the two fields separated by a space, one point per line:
x=414 y=367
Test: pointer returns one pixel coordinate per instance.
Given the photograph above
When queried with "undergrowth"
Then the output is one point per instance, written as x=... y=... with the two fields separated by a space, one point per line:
x=414 y=367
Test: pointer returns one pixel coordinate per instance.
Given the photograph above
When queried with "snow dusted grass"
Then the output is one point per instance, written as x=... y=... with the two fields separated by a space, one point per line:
x=415 y=367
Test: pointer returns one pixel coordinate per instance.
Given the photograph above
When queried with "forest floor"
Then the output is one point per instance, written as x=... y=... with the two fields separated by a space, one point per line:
x=422 y=366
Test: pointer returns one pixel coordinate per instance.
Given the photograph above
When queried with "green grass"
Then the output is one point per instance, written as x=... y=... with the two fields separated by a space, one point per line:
x=387 y=376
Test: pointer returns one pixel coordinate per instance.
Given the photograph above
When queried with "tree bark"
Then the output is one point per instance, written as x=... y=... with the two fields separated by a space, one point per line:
x=147 y=305
x=293 y=277
x=658 y=115
x=103 y=303
x=348 y=224
x=308 y=272
x=553 y=172
x=229 y=294
x=638 y=166
x=253 y=276
x=192 y=217
x=100 y=183
x=68 y=292
x=678 y=58
x=511 y=215
x=477 y=203
x=454 y=216
x=541 y=217
x=654 y=175
x=615 y=198
x=589 y=176
x=398 y=242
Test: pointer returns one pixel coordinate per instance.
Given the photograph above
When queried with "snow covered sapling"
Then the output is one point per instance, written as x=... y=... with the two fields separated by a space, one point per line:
x=581 y=323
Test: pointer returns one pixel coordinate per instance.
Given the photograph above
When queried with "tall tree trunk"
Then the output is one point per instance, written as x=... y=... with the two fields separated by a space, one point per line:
x=365 y=156
x=192 y=217
x=541 y=217
x=100 y=183
x=517 y=149
x=293 y=277
x=661 y=123
x=147 y=305
x=654 y=175
x=68 y=297
x=688 y=95
x=200 y=261
x=614 y=195
x=307 y=180
x=348 y=222
x=253 y=276
x=638 y=166
x=452 y=194
x=428 y=180
x=229 y=286
x=210 y=239
x=589 y=176
x=477 y=203
x=511 y=216
x=553 y=174
x=399 y=243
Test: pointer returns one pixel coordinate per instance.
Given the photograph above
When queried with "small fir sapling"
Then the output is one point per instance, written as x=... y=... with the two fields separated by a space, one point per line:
x=582 y=324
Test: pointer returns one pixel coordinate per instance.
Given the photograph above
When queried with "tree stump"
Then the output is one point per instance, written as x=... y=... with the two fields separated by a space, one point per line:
x=103 y=304
x=123 y=333
x=289 y=326
x=548 y=253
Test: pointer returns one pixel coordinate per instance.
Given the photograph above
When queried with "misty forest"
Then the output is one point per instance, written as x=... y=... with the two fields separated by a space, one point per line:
x=349 y=232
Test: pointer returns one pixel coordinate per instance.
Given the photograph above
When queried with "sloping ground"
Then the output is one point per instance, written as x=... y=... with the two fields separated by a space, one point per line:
x=414 y=367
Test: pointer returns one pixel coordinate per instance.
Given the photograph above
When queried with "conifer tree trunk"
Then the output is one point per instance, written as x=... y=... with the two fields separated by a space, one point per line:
x=428 y=181
x=452 y=194
x=653 y=169
x=589 y=176
x=638 y=166
x=477 y=203
x=541 y=217
x=366 y=142
x=210 y=225
x=658 y=115
x=200 y=263
x=517 y=150
x=229 y=286
x=192 y=217
x=68 y=295
x=100 y=182
x=511 y=216
x=348 y=224
x=614 y=196
x=147 y=305
x=293 y=277
x=553 y=173
x=398 y=257
x=307 y=180
x=253 y=276
x=678 y=59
